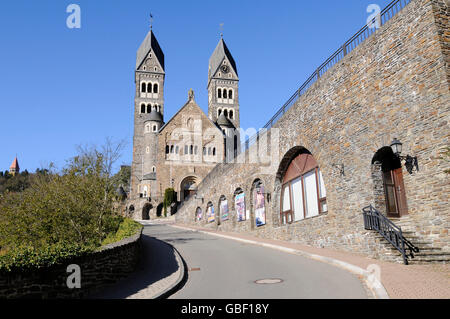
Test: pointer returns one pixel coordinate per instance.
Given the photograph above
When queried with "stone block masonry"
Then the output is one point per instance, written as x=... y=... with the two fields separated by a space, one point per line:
x=393 y=85
x=99 y=269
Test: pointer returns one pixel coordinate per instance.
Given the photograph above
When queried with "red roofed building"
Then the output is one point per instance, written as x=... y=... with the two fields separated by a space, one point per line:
x=14 y=168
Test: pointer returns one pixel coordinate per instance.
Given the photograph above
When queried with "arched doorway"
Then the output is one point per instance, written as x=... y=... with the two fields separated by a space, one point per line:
x=159 y=210
x=388 y=178
x=188 y=187
x=258 y=204
x=146 y=211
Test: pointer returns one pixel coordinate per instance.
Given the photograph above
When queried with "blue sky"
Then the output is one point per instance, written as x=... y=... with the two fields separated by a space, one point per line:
x=62 y=87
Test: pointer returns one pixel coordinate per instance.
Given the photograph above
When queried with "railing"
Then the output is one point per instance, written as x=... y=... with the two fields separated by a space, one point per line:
x=385 y=15
x=374 y=220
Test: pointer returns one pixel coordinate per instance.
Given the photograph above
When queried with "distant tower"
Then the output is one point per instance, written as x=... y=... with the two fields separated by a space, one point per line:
x=223 y=95
x=14 y=169
x=148 y=116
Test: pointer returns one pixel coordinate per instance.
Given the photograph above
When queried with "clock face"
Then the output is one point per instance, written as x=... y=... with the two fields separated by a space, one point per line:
x=225 y=68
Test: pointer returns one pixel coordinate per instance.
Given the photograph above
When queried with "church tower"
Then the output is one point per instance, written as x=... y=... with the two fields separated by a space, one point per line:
x=223 y=95
x=14 y=169
x=148 y=118
x=223 y=85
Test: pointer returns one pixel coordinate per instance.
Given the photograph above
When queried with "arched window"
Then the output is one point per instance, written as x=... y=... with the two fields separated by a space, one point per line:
x=204 y=151
x=149 y=88
x=155 y=88
x=224 y=93
x=167 y=149
x=192 y=150
x=155 y=108
x=231 y=114
x=149 y=108
x=225 y=112
x=219 y=111
x=224 y=211
x=196 y=150
x=142 y=108
x=303 y=192
x=214 y=151
x=198 y=214
x=209 y=150
x=155 y=128
x=219 y=93
x=230 y=94
x=144 y=88
x=172 y=149
x=186 y=150
x=154 y=169
x=177 y=150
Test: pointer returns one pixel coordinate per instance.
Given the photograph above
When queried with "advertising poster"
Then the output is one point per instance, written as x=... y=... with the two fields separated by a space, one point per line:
x=224 y=209
x=199 y=214
x=210 y=214
x=260 y=210
x=239 y=202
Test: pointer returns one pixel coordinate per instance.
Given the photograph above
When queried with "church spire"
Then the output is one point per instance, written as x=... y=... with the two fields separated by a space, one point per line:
x=14 y=168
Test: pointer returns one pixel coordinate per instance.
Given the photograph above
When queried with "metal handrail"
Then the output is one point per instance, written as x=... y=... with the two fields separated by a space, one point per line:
x=385 y=15
x=374 y=220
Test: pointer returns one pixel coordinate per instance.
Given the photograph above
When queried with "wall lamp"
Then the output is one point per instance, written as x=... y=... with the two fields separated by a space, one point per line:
x=410 y=161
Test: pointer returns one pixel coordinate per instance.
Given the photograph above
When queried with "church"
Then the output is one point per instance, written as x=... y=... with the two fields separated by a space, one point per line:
x=179 y=152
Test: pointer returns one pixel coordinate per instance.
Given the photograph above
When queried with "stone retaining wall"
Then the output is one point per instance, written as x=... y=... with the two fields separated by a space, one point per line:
x=101 y=268
x=395 y=84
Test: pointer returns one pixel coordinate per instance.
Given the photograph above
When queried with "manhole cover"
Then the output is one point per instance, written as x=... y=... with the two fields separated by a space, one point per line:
x=268 y=281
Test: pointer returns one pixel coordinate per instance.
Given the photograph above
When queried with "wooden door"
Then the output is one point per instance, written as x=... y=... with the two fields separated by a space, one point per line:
x=395 y=193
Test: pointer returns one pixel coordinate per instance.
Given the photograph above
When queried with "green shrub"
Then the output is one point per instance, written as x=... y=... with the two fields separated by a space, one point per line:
x=127 y=228
x=29 y=258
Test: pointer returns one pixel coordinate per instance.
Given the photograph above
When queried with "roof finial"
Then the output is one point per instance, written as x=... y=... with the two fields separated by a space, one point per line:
x=151 y=21
x=221 y=30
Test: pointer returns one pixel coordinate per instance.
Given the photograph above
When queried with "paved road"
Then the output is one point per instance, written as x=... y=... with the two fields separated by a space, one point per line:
x=229 y=269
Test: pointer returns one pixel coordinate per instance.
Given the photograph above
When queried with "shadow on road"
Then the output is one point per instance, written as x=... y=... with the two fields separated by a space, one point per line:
x=157 y=262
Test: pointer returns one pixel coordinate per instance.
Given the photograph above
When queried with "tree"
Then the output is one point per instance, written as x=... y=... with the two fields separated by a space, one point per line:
x=169 y=198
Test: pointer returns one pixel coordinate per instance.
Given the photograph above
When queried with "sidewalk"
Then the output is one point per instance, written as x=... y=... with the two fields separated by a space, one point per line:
x=400 y=281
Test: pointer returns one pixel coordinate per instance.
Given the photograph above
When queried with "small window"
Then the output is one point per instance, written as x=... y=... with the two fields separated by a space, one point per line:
x=155 y=128
x=172 y=149
x=214 y=151
x=192 y=149
x=209 y=150
x=219 y=93
x=154 y=169
x=186 y=150
x=230 y=94
x=177 y=150
x=155 y=87
x=167 y=149
x=144 y=88
x=149 y=108
x=219 y=111
x=142 y=108
x=155 y=108
x=149 y=88
x=224 y=94
x=231 y=114
x=196 y=150
x=204 y=151
x=225 y=112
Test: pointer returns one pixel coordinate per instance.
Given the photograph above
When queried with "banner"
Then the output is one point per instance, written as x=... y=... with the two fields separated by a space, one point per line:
x=260 y=210
x=199 y=214
x=239 y=203
x=210 y=214
x=224 y=209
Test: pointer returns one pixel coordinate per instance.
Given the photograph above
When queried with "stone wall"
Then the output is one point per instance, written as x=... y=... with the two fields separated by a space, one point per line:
x=395 y=84
x=99 y=269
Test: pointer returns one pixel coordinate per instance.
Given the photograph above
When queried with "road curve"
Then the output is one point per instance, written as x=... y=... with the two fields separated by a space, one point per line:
x=225 y=269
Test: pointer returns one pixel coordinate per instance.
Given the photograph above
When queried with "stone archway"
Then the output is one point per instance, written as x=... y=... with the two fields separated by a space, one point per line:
x=146 y=211
x=188 y=187
x=387 y=178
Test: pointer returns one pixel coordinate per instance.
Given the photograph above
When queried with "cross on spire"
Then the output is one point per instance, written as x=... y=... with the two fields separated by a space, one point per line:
x=151 y=21
x=221 y=30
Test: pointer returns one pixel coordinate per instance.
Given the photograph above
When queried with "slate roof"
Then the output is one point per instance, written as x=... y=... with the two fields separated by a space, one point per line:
x=150 y=42
x=224 y=121
x=217 y=57
x=155 y=116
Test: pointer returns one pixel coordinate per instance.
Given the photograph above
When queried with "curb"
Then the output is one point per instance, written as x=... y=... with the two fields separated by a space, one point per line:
x=181 y=280
x=372 y=282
